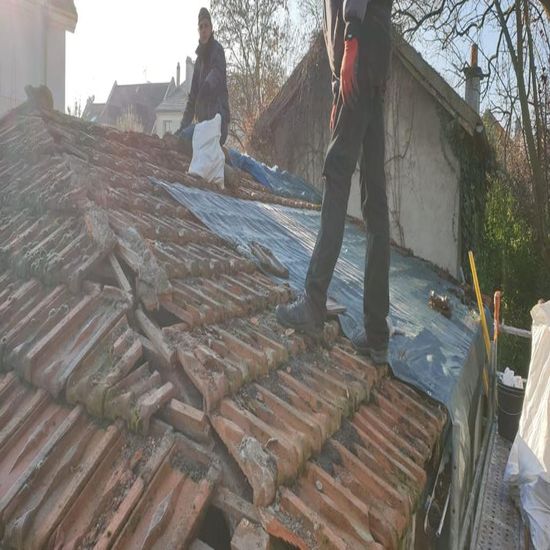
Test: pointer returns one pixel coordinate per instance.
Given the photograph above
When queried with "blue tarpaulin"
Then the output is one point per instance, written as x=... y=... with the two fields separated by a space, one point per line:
x=441 y=357
x=427 y=350
x=279 y=182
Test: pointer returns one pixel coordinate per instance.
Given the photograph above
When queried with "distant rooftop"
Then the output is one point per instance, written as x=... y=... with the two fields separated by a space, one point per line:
x=143 y=99
x=92 y=111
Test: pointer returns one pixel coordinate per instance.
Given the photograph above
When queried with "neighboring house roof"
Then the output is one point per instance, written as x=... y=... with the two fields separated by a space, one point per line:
x=92 y=111
x=117 y=305
x=315 y=56
x=143 y=99
x=176 y=100
x=422 y=71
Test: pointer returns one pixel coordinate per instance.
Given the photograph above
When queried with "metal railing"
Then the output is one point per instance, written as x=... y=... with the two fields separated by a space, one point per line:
x=461 y=537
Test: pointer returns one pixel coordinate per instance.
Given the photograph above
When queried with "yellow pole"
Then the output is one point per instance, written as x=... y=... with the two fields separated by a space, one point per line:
x=483 y=318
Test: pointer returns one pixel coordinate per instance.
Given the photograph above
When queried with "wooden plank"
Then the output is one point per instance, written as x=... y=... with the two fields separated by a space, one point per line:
x=121 y=278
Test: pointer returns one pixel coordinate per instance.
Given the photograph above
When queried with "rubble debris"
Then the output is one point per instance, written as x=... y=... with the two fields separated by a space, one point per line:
x=441 y=304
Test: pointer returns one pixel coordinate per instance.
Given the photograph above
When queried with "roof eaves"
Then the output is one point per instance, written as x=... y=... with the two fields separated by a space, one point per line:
x=437 y=86
x=290 y=88
x=65 y=13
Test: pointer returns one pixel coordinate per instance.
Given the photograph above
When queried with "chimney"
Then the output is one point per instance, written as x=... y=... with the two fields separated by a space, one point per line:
x=474 y=75
x=178 y=74
x=189 y=68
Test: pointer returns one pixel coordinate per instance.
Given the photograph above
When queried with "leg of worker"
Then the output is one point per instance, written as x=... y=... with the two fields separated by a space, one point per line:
x=340 y=162
x=375 y=212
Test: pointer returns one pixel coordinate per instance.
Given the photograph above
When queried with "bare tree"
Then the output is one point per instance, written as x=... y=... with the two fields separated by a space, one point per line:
x=254 y=33
x=514 y=35
x=311 y=13
x=77 y=109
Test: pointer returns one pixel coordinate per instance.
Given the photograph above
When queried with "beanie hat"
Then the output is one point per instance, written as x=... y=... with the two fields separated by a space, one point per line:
x=204 y=14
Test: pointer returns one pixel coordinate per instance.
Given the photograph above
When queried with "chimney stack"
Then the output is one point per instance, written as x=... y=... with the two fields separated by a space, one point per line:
x=178 y=74
x=474 y=75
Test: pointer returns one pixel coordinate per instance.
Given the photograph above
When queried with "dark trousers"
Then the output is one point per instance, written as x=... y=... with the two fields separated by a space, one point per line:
x=357 y=131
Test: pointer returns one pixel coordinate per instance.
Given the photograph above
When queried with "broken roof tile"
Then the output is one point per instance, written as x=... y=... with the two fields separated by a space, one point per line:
x=52 y=248
x=67 y=482
x=290 y=413
x=62 y=336
x=169 y=513
x=103 y=506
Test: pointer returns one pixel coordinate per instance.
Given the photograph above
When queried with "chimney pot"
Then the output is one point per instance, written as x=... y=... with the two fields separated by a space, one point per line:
x=474 y=55
x=178 y=74
x=474 y=75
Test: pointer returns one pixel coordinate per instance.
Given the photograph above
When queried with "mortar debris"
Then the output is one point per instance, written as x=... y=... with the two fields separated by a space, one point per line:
x=192 y=469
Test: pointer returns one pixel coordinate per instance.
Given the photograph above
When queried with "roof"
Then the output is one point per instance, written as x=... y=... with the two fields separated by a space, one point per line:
x=66 y=5
x=437 y=86
x=92 y=111
x=422 y=71
x=143 y=99
x=175 y=100
x=131 y=333
x=62 y=12
x=315 y=58
x=65 y=11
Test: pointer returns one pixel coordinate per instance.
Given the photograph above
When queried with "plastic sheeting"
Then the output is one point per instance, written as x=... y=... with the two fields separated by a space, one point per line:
x=427 y=350
x=279 y=182
x=441 y=357
x=528 y=468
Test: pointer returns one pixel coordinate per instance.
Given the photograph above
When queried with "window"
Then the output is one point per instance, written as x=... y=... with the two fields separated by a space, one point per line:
x=167 y=126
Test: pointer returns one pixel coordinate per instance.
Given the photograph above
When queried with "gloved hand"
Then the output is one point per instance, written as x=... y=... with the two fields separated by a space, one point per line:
x=349 y=85
x=333 y=117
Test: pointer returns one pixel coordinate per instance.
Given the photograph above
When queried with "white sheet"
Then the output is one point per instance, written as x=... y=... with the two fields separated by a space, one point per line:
x=208 y=159
x=528 y=468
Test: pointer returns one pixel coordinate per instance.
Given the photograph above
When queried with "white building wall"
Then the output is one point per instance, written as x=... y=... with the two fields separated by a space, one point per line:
x=32 y=51
x=173 y=119
x=55 y=77
x=422 y=175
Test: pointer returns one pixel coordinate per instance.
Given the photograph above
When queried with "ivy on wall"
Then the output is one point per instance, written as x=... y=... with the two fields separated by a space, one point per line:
x=494 y=226
x=475 y=159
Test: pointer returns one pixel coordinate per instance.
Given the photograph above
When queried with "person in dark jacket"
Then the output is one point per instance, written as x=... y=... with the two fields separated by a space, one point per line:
x=358 y=40
x=208 y=95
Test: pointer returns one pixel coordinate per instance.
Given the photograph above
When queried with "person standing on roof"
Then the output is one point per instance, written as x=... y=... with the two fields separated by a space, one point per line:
x=358 y=41
x=208 y=96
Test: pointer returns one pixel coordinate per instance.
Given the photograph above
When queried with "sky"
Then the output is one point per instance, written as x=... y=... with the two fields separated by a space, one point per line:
x=134 y=41
x=129 y=41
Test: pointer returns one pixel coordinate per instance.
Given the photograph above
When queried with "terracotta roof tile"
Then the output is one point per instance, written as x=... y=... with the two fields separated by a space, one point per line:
x=118 y=302
x=66 y=480
x=362 y=488
x=170 y=511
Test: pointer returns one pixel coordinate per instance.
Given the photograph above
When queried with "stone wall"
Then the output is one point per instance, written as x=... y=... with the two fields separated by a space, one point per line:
x=32 y=51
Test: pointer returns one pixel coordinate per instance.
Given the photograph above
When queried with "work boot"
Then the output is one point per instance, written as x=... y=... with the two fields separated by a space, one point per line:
x=300 y=316
x=378 y=355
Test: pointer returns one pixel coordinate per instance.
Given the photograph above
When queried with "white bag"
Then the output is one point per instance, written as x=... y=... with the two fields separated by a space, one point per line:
x=208 y=159
x=528 y=468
